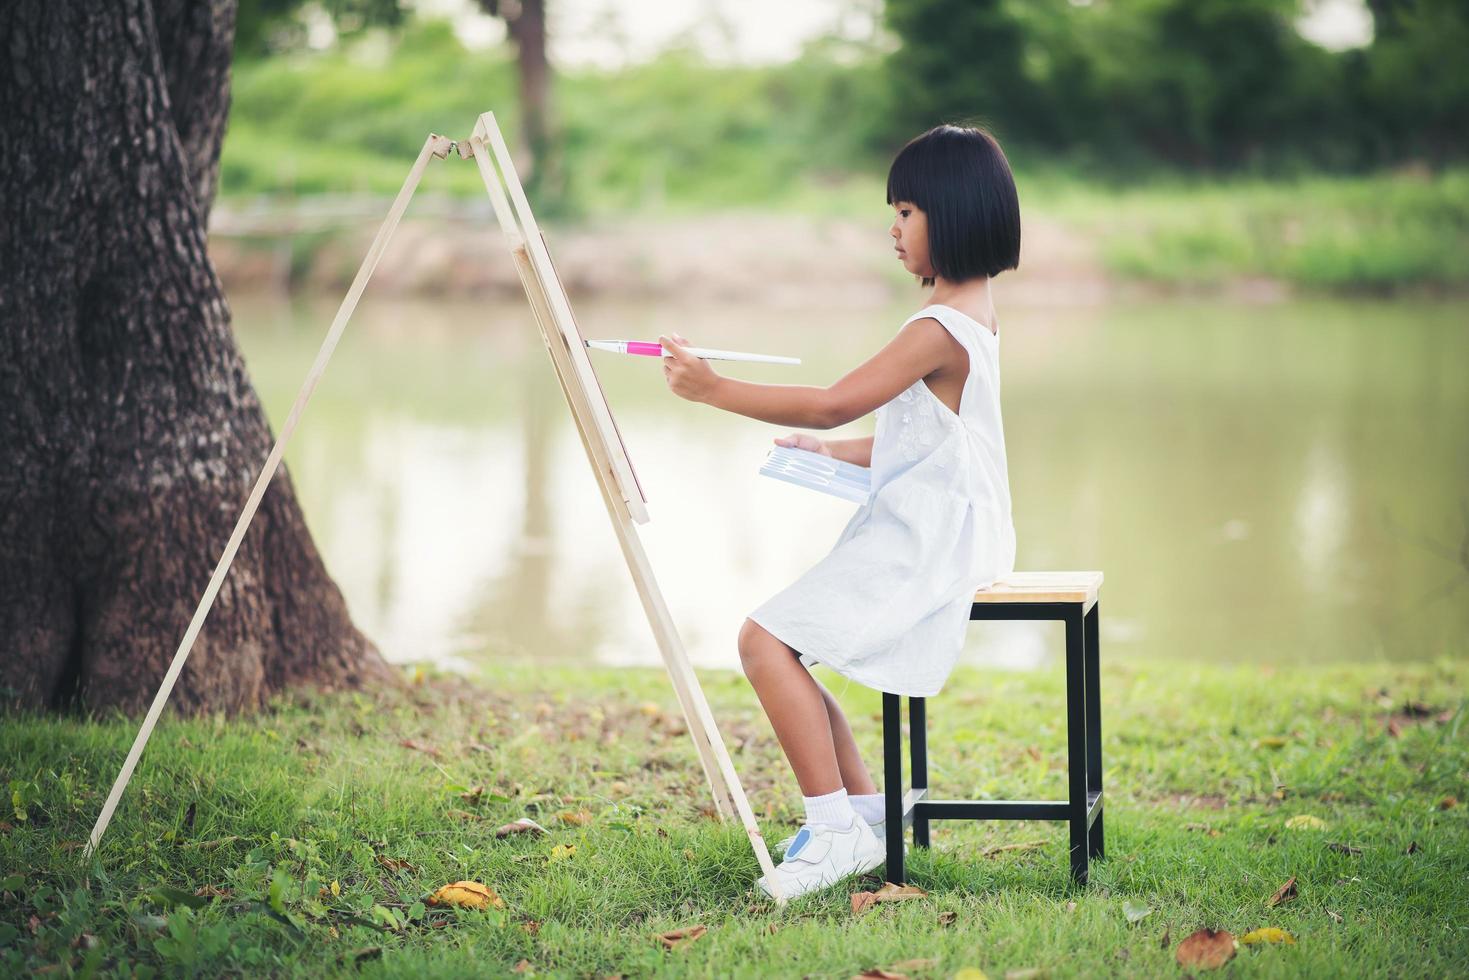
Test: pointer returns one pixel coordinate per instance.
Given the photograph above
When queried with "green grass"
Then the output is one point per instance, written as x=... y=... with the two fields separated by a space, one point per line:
x=1364 y=234
x=1204 y=766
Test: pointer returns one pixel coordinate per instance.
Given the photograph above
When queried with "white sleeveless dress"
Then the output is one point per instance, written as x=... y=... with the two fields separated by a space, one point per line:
x=889 y=606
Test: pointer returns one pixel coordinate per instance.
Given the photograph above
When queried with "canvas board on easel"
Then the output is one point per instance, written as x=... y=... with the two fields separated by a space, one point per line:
x=622 y=492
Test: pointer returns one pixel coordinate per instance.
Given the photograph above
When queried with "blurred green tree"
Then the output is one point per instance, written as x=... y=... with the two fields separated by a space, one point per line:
x=264 y=27
x=1199 y=83
x=1416 y=77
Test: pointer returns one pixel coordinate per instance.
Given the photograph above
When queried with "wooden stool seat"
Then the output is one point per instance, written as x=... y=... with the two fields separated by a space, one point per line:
x=1072 y=598
x=1043 y=587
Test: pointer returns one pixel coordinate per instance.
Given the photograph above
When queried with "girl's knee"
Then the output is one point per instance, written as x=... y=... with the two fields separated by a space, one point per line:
x=754 y=646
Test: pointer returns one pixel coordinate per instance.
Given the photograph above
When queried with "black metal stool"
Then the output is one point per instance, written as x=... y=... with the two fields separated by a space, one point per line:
x=1067 y=596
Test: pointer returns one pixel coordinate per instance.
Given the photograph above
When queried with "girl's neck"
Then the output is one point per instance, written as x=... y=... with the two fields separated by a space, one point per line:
x=971 y=296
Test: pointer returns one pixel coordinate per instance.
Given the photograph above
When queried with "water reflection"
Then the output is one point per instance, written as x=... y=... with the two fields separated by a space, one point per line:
x=1260 y=484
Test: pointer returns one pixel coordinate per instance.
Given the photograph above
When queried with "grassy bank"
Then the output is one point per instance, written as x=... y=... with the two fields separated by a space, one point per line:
x=1365 y=234
x=309 y=836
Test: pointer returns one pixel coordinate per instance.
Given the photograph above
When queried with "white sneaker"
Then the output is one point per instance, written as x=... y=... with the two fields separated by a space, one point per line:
x=821 y=856
x=879 y=830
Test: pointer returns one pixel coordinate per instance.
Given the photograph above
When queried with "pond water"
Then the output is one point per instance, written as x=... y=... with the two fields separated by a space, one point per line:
x=1269 y=484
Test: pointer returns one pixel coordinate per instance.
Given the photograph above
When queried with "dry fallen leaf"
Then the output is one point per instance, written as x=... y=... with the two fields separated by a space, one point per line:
x=430 y=750
x=1305 y=821
x=467 y=894
x=948 y=918
x=473 y=794
x=878 y=973
x=525 y=825
x=679 y=938
x=1335 y=916
x=1284 y=893
x=1268 y=934
x=464 y=815
x=578 y=818
x=889 y=892
x=521 y=967
x=1448 y=802
x=394 y=864
x=1027 y=973
x=1211 y=831
x=1343 y=848
x=1413 y=848
x=902 y=965
x=1029 y=845
x=1206 y=949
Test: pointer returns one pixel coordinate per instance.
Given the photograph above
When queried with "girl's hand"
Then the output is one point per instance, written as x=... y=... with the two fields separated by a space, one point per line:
x=687 y=376
x=800 y=440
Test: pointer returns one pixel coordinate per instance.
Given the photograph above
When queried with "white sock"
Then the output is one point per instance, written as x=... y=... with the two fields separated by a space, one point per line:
x=832 y=810
x=871 y=807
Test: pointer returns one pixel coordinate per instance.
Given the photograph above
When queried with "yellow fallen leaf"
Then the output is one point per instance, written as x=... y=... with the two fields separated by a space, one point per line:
x=1206 y=949
x=1268 y=934
x=336 y=888
x=562 y=851
x=467 y=894
x=648 y=708
x=1305 y=821
x=971 y=973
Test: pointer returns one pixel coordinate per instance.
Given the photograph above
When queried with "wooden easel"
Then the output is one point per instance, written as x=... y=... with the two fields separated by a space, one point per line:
x=621 y=492
x=607 y=455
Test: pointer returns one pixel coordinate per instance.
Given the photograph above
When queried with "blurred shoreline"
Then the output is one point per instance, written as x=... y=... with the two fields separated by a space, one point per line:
x=453 y=248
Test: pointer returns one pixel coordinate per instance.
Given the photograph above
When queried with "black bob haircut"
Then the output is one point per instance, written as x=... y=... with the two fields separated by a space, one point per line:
x=959 y=177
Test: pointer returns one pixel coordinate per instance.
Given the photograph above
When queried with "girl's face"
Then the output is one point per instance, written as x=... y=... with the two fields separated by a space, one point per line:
x=910 y=238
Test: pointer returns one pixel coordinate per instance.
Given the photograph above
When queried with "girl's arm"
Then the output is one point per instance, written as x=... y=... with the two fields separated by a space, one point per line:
x=920 y=348
x=858 y=451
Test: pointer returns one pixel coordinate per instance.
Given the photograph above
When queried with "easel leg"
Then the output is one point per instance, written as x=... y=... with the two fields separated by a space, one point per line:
x=434 y=146
x=541 y=312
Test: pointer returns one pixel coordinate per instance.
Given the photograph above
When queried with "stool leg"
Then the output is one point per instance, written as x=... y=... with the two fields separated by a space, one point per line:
x=892 y=784
x=918 y=746
x=1095 y=847
x=1076 y=740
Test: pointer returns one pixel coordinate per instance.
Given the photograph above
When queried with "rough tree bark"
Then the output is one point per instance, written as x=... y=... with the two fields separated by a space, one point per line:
x=130 y=434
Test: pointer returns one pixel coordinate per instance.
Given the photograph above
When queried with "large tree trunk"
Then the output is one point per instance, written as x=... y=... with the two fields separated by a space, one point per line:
x=525 y=22
x=129 y=433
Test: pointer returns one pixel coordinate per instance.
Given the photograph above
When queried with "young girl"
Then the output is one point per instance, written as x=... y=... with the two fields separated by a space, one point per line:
x=889 y=606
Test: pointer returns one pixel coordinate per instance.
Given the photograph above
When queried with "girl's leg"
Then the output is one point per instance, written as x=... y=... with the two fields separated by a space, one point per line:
x=855 y=776
x=797 y=709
